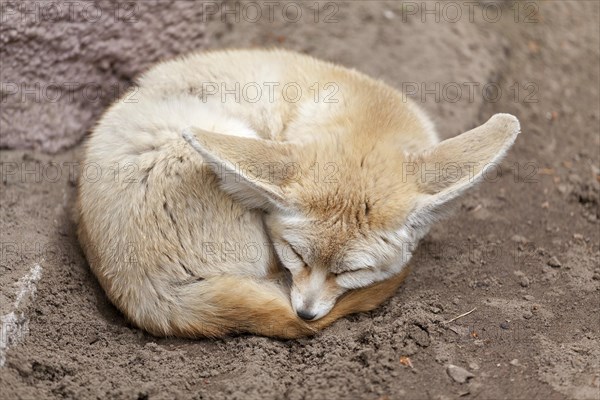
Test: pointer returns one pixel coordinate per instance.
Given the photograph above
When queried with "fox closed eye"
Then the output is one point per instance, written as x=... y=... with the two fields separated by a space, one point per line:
x=290 y=254
x=298 y=255
x=349 y=271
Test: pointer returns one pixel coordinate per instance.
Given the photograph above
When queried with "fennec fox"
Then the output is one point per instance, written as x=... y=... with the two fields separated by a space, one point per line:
x=265 y=192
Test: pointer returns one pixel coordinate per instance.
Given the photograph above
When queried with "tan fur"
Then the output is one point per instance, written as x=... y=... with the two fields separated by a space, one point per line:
x=197 y=225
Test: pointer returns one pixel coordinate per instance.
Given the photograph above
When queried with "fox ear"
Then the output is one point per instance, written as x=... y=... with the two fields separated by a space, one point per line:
x=457 y=164
x=253 y=171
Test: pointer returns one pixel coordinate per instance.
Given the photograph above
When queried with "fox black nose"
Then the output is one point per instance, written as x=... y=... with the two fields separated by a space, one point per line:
x=306 y=315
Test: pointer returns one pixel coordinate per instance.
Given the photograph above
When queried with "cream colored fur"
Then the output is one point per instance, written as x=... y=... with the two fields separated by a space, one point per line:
x=212 y=217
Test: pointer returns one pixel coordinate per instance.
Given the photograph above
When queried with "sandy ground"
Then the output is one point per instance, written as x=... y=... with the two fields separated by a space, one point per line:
x=523 y=249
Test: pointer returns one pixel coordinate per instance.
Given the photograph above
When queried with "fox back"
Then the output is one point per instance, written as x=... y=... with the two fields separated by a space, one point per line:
x=266 y=192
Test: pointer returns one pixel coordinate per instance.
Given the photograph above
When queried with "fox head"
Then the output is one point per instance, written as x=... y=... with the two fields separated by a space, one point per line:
x=344 y=212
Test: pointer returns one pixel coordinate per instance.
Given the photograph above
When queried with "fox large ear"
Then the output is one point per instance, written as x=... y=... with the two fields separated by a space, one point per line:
x=457 y=164
x=253 y=171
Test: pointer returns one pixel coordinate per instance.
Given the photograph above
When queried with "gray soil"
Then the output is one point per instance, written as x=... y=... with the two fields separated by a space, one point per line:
x=522 y=249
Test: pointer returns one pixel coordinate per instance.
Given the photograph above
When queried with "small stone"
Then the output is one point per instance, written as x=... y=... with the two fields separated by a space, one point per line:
x=527 y=314
x=574 y=178
x=546 y=269
x=504 y=325
x=474 y=366
x=518 y=239
x=554 y=263
x=459 y=374
x=577 y=236
x=515 y=362
x=454 y=329
x=389 y=14
x=152 y=346
x=562 y=188
x=525 y=281
x=528 y=297
x=456 y=301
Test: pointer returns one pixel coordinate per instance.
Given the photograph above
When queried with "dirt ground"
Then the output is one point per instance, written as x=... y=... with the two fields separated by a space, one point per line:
x=522 y=250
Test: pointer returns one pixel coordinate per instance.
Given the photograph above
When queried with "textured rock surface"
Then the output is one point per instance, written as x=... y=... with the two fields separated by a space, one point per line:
x=64 y=62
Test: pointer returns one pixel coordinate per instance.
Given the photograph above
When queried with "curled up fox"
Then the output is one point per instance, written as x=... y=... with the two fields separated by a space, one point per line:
x=275 y=211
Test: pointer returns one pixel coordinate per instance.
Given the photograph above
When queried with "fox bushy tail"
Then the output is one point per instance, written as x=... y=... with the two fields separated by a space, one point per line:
x=221 y=305
x=227 y=304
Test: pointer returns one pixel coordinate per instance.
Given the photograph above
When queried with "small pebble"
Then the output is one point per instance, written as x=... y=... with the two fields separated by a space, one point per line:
x=518 y=239
x=474 y=366
x=459 y=374
x=554 y=263
x=528 y=297
x=562 y=188
x=515 y=362
x=527 y=314
x=574 y=178
x=525 y=281
x=389 y=14
x=504 y=325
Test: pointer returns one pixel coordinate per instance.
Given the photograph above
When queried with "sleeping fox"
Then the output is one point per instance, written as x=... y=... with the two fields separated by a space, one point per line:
x=237 y=194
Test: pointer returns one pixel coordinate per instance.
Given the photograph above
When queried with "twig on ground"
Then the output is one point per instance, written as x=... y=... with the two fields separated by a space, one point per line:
x=460 y=316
